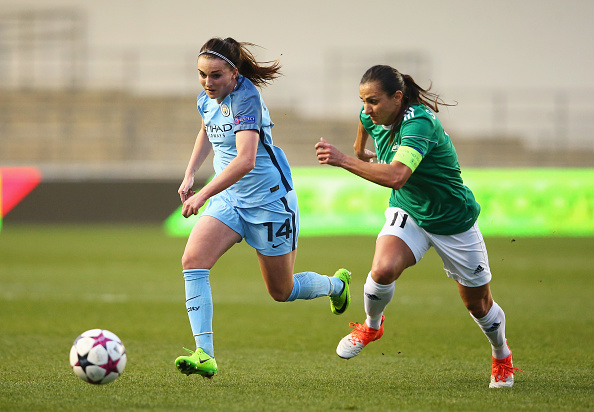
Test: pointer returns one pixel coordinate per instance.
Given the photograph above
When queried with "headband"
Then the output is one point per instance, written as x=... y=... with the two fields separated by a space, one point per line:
x=218 y=55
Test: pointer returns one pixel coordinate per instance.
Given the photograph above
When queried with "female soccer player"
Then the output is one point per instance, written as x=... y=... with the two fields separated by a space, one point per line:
x=429 y=206
x=251 y=196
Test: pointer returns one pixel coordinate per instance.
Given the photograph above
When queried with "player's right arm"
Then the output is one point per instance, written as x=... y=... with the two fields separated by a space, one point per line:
x=202 y=148
x=360 y=151
x=393 y=175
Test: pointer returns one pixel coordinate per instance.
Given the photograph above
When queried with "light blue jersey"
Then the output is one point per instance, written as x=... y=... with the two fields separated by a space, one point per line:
x=244 y=109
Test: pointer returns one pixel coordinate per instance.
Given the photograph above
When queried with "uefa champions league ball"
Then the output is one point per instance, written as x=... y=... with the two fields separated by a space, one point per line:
x=98 y=356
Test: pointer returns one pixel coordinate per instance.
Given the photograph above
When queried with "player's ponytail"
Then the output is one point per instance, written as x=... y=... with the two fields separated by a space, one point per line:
x=238 y=56
x=415 y=94
x=391 y=81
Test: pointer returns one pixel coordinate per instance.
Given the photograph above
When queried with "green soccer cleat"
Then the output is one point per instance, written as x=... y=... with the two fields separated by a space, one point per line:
x=198 y=362
x=339 y=304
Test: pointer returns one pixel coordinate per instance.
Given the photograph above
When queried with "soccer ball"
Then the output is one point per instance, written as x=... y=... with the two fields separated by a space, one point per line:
x=98 y=356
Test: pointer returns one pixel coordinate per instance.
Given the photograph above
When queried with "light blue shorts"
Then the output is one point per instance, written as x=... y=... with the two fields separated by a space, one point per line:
x=272 y=229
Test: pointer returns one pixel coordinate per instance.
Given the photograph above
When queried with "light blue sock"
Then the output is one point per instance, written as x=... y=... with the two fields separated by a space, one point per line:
x=311 y=285
x=199 y=306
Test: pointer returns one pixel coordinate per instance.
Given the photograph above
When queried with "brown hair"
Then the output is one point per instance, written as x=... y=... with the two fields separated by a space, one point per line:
x=391 y=81
x=237 y=52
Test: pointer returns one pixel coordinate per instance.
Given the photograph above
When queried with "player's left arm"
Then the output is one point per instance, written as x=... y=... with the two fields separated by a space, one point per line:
x=360 y=142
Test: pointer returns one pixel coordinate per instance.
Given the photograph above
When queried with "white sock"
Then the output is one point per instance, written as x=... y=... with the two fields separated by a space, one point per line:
x=376 y=299
x=493 y=326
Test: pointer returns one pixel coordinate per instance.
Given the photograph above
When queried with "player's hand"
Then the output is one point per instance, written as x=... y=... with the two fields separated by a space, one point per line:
x=367 y=156
x=328 y=154
x=192 y=205
x=185 y=189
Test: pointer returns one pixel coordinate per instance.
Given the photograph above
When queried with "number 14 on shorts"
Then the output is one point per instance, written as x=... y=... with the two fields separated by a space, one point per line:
x=284 y=230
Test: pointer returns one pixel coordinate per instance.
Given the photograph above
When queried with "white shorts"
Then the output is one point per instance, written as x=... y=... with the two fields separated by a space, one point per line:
x=464 y=255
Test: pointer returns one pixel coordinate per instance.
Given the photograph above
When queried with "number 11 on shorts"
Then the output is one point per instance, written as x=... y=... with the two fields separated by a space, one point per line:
x=402 y=223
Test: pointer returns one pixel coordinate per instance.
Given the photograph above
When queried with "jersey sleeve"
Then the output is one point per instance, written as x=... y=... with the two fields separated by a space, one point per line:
x=200 y=102
x=419 y=133
x=247 y=112
x=366 y=121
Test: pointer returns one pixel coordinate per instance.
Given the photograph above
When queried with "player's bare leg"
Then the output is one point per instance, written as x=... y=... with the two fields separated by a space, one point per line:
x=284 y=286
x=491 y=319
x=392 y=256
x=209 y=240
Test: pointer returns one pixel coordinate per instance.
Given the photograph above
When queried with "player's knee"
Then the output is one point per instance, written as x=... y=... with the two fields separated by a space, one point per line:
x=386 y=271
x=279 y=294
x=190 y=261
x=385 y=275
x=187 y=262
x=478 y=308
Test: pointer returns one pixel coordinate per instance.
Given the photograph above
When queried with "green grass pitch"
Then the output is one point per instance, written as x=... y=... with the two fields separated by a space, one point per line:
x=58 y=281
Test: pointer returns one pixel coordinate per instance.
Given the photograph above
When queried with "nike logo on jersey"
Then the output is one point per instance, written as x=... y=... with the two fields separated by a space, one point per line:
x=275 y=246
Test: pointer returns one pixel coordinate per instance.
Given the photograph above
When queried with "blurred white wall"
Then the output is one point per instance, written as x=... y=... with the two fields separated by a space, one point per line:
x=474 y=51
x=504 y=43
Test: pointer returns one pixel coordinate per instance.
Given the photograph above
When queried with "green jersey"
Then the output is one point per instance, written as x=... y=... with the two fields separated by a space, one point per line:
x=434 y=195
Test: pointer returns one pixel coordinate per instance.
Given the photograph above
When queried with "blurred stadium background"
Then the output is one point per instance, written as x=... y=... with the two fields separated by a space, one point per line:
x=100 y=96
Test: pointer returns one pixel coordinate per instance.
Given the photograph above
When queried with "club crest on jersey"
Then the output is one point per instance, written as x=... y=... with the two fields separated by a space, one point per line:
x=395 y=147
x=243 y=119
x=225 y=110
